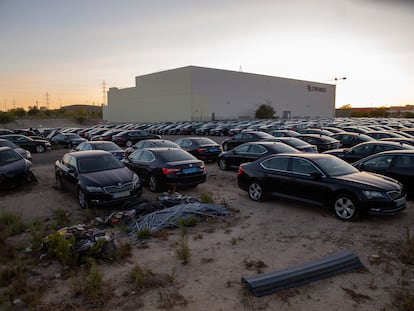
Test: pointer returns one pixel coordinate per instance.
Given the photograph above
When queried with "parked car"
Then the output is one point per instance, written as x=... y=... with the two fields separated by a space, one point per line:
x=323 y=180
x=284 y=133
x=397 y=164
x=130 y=137
x=249 y=152
x=363 y=150
x=69 y=140
x=322 y=142
x=244 y=137
x=220 y=130
x=296 y=143
x=33 y=145
x=23 y=152
x=202 y=148
x=402 y=140
x=107 y=135
x=161 y=168
x=97 y=178
x=5 y=131
x=205 y=129
x=383 y=134
x=102 y=145
x=150 y=143
x=14 y=169
x=348 y=140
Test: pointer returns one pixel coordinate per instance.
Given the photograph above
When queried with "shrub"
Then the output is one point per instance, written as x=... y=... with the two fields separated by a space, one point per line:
x=183 y=251
x=11 y=222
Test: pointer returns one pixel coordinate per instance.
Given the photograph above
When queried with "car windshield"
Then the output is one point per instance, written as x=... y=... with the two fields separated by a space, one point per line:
x=176 y=155
x=334 y=167
x=205 y=141
x=96 y=164
x=294 y=142
x=107 y=147
x=9 y=156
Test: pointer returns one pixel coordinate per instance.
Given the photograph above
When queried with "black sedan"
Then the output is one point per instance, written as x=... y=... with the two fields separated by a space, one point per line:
x=200 y=147
x=130 y=137
x=323 y=180
x=322 y=142
x=23 y=152
x=33 y=145
x=14 y=169
x=150 y=143
x=363 y=150
x=69 y=140
x=244 y=137
x=398 y=164
x=161 y=168
x=97 y=178
x=296 y=143
x=102 y=145
x=249 y=152
x=348 y=139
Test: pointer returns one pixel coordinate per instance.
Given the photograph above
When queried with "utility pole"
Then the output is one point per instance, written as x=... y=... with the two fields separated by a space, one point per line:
x=47 y=100
x=103 y=93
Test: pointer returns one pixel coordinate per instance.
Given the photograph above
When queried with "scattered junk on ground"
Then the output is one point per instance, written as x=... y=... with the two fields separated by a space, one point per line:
x=268 y=283
x=169 y=211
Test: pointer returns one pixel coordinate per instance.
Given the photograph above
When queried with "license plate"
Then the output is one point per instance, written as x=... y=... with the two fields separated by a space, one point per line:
x=213 y=149
x=120 y=194
x=190 y=170
x=400 y=202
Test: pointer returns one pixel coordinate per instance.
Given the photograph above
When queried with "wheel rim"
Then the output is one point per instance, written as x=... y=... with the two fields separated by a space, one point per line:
x=40 y=149
x=152 y=184
x=255 y=191
x=129 y=143
x=222 y=164
x=225 y=147
x=82 y=199
x=344 y=208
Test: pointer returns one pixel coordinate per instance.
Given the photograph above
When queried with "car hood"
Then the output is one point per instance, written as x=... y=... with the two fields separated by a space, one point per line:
x=107 y=178
x=372 y=180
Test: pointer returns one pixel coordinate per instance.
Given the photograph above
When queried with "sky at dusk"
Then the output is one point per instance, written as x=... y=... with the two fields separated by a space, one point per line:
x=68 y=48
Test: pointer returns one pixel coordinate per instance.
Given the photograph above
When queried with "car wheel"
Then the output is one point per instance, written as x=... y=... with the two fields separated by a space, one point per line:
x=128 y=143
x=345 y=207
x=58 y=182
x=222 y=164
x=256 y=192
x=31 y=178
x=82 y=199
x=153 y=184
x=226 y=147
x=40 y=149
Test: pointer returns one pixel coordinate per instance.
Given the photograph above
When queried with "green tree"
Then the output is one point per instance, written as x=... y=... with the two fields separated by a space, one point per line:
x=18 y=112
x=265 y=111
x=5 y=117
x=33 y=110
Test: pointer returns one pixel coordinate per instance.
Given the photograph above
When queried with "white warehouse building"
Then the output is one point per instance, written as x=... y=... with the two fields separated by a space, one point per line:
x=199 y=94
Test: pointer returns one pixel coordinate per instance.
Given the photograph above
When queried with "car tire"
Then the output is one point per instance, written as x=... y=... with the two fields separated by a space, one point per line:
x=82 y=199
x=226 y=147
x=58 y=182
x=256 y=191
x=128 y=143
x=345 y=207
x=31 y=178
x=222 y=164
x=153 y=184
x=40 y=149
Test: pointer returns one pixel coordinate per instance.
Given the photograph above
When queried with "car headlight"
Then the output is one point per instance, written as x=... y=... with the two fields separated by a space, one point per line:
x=135 y=181
x=94 y=189
x=374 y=194
x=28 y=154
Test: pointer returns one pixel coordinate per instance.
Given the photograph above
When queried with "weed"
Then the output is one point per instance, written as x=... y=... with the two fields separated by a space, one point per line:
x=90 y=284
x=183 y=251
x=357 y=297
x=257 y=265
x=144 y=234
x=198 y=236
x=170 y=298
x=145 y=278
x=407 y=252
x=61 y=217
x=224 y=202
x=11 y=222
x=206 y=197
x=37 y=232
x=61 y=247
x=188 y=222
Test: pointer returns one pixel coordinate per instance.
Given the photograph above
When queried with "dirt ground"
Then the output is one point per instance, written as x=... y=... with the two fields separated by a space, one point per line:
x=253 y=238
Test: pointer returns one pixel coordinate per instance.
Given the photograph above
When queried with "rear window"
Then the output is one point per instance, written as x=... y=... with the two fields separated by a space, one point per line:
x=96 y=164
x=172 y=155
x=205 y=141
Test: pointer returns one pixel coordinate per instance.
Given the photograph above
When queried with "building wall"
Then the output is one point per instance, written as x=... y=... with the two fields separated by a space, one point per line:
x=197 y=93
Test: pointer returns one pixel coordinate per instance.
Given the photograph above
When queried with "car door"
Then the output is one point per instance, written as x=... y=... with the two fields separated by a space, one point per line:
x=277 y=179
x=358 y=152
x=308 y=183
x=238 y=155
x=402 y=169
x=69 y=172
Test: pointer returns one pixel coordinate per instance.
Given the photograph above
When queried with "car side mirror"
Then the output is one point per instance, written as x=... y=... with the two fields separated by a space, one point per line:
x=316 y=175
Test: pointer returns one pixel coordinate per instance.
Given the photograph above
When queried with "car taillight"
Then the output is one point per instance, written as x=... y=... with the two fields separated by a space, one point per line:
x=168 y=170
x=200 y=149
x=240 y=171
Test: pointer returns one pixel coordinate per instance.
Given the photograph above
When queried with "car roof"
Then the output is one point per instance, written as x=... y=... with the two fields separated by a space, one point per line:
x=88 y=153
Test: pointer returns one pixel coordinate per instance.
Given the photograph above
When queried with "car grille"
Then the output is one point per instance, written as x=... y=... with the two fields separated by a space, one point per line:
x=114 y=189
x=395 y=194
